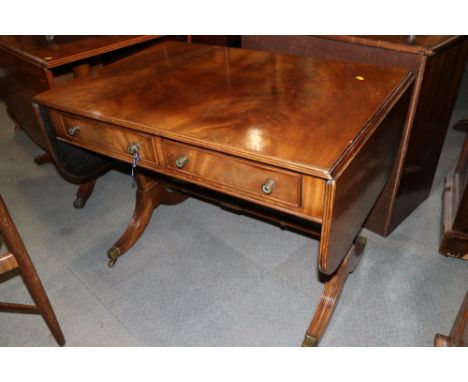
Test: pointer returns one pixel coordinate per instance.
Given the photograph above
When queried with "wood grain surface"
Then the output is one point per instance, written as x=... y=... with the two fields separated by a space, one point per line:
x=301 y=112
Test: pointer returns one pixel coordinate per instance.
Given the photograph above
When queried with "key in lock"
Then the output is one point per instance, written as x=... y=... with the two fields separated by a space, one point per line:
x=134 y=150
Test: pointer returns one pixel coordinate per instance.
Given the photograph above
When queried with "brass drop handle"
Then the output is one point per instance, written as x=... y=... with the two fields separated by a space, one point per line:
x=182 y=161
x=72 y=131
x=268 y=186
x=133 y=148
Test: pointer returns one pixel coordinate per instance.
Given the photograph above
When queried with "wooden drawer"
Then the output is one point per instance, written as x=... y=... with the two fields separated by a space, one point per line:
x=232 y=174
x=105 y=138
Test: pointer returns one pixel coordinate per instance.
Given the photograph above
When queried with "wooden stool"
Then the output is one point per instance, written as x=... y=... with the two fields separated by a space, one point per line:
x=18 y=258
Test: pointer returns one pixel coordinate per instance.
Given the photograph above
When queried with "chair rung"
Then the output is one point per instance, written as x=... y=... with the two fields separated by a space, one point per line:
x=7 y=262
x=18 y=308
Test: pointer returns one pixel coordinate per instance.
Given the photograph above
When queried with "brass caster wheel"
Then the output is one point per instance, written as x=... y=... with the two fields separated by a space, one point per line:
x=113 y=254
x=79 y=203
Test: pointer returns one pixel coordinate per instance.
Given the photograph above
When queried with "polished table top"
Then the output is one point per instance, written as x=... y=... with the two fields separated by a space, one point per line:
x=299 y=112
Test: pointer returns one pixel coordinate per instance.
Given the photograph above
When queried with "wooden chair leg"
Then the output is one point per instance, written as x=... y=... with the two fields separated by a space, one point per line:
x=18 y=308
x=30 y=277
x=331 y=293
x=83 y=193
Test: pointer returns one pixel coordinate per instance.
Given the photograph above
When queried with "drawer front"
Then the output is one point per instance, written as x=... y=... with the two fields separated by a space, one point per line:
x=107 y=139
x=232 y=174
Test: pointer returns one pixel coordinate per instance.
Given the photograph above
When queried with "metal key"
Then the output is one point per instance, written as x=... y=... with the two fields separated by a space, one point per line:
x=136 y=159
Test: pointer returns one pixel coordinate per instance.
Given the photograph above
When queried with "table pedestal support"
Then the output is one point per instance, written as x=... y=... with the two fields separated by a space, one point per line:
x=331 y=293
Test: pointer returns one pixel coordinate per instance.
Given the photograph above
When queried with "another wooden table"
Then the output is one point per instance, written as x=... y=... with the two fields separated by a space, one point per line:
x=32 y=64
x=438 y=63
x=306 y=143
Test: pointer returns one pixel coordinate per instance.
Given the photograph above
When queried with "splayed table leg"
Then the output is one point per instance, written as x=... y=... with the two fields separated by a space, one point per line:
x=331 y=293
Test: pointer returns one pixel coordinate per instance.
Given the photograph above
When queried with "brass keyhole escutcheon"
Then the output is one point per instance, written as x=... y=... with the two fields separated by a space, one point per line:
x=268 y=186
x=72 y=131
x=182 y=161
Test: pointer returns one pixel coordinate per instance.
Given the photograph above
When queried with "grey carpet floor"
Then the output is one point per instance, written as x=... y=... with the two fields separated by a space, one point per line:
x=202 y=276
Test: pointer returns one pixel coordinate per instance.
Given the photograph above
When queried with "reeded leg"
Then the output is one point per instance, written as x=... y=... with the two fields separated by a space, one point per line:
x=150 y=194
x=331 y=293
x=84 y=192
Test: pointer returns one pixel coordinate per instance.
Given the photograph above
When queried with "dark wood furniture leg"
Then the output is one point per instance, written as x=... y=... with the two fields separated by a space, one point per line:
x=150 y=194
x=15 y=121
x=84 y=192
x=40 y=159
x=459 y=333
x=43 y=158
x=331 y=293
x=454 y=238
x=19 y=259
x=462 y=125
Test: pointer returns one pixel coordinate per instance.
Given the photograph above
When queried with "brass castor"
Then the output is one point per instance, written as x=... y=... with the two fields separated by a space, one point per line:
x=309 y=342
x=79 y=202
x=113 y=254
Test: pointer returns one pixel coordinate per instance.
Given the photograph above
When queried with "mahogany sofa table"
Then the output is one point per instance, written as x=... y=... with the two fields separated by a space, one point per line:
x=306 y=143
